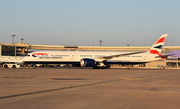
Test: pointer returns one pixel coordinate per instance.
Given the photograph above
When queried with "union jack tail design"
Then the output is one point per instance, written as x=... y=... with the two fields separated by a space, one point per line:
x=158 y=45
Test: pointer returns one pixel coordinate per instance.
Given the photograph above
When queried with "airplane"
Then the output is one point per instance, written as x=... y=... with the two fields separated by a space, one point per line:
x=97 y=59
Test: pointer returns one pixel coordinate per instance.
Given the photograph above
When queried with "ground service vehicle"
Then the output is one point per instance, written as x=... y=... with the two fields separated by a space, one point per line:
x=12 y=65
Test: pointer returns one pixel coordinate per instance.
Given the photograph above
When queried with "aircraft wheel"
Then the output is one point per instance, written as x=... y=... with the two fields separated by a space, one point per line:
x=95 y=67
x=5 y=66
x=108 y=66
x=13 y=66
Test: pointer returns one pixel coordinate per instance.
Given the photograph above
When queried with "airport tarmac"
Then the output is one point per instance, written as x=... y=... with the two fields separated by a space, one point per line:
x=86 y=88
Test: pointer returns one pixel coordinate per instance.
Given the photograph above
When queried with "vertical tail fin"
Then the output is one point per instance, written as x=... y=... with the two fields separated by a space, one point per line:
x=156 y=48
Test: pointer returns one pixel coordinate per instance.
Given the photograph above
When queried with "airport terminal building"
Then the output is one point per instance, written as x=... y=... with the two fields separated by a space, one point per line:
x=12 y=52
x=174 y=61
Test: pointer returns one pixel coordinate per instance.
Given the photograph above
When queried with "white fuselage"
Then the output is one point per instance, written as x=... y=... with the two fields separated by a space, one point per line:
x=76 y=56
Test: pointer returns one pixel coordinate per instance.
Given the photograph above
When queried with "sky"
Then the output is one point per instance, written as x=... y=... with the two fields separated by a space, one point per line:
x=85 y=22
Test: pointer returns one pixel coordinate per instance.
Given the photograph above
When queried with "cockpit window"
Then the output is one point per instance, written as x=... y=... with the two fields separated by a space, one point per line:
x=28 y=55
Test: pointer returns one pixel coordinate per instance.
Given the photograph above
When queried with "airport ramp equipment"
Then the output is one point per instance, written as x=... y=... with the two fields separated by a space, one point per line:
x=18 y=59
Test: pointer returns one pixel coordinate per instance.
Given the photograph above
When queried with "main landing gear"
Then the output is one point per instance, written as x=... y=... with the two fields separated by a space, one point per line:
x=101 y=67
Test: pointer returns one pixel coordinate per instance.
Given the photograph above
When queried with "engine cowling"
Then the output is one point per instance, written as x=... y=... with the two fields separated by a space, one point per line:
x=87 y=62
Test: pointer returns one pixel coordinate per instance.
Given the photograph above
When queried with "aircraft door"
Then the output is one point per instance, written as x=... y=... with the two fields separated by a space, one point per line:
x=144 y=57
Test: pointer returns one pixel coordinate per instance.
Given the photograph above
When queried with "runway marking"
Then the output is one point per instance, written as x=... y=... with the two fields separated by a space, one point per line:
x=131 y=78
x=63 y=88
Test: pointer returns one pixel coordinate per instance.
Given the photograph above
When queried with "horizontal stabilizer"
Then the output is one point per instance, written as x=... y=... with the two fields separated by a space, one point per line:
x=164 y=56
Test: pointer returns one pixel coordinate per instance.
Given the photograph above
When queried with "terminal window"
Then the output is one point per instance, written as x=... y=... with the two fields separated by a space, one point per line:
x=8 y=51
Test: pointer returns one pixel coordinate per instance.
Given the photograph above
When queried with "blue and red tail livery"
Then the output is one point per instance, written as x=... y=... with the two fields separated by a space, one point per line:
x=156 y=48
x=161 y=40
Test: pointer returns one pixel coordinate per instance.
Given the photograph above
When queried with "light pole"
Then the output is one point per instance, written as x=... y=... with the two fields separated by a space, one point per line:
x=22 y=40
x=13 y=38
x=100 y=42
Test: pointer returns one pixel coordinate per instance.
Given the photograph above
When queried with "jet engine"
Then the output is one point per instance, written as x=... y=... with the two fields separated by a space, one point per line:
x=87 y=62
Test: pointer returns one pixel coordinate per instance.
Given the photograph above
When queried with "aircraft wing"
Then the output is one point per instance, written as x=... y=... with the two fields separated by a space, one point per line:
x=118 y=55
